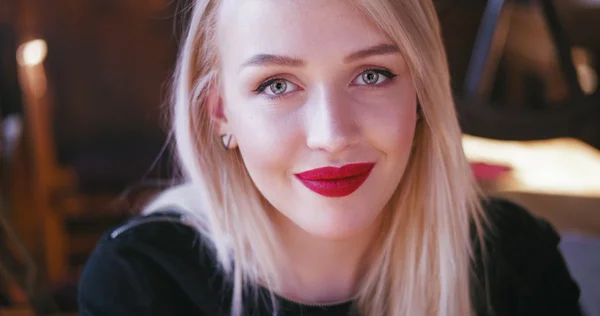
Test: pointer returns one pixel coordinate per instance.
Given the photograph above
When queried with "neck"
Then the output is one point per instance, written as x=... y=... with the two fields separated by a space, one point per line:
x=319 y=270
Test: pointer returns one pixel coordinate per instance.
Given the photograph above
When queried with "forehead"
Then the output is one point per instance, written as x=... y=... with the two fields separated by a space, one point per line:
x=302 y=28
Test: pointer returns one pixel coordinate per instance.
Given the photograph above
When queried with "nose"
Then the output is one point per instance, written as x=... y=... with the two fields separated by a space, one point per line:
x=332 y=125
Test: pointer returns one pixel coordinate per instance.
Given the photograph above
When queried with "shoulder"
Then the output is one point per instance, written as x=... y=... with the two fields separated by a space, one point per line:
x=152 y=229
x=513 y=234
x=162 y=237
x=522 y=266
x=157 y=235
x=512 y=225
x=146 y=258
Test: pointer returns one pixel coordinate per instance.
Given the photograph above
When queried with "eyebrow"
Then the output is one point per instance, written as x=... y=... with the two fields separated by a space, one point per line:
x=279 y=60
x=381 y=49
x=273 y=60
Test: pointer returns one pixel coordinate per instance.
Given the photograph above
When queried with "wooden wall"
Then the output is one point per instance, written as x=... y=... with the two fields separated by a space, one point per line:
x=108 y=67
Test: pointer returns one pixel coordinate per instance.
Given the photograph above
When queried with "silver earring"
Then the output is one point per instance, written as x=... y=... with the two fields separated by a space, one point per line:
x=226 y=140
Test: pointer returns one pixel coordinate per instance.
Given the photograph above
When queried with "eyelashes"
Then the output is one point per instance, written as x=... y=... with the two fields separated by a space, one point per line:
x=373 y=77
x=275 y=85
x=278 y=87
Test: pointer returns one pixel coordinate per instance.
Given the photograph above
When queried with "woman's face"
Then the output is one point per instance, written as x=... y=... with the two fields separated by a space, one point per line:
x=322 y=106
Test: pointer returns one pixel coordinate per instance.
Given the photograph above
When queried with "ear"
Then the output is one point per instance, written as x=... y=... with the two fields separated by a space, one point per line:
x=216 y=112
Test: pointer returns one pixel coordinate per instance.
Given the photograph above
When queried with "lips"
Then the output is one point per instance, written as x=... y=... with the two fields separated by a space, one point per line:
x=336 y=182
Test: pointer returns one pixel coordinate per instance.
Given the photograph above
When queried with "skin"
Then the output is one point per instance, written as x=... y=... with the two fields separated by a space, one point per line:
x=332 y=105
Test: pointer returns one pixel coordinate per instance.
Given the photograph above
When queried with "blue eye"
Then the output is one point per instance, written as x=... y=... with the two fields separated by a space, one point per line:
x=373 y=77
x=276 y=87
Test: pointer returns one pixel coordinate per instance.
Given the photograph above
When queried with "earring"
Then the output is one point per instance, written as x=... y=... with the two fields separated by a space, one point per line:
x=419 y=113
x=226 y=140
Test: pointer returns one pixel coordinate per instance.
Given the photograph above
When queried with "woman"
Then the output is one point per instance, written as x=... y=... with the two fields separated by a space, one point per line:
x=324 y=176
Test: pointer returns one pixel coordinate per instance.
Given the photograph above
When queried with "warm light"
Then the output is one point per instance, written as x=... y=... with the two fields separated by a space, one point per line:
x=32 y=53
x=558 y=166
x=584 y=61
x=588 y=79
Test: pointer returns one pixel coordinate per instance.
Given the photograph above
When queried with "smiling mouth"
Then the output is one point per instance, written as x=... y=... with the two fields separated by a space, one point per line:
x=336 y=182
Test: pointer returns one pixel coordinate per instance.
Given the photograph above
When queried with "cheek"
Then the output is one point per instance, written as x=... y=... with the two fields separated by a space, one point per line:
x=389 y=124
x=267 y=141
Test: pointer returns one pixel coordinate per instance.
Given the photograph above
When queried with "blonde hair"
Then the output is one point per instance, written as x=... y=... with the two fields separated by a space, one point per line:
x=424 y=263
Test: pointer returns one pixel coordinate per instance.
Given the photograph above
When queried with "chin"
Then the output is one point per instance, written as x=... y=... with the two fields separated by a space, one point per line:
x=335 y=235
x=336 y=225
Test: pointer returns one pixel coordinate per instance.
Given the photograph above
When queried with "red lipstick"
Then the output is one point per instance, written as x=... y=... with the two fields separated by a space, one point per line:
x=336 y=182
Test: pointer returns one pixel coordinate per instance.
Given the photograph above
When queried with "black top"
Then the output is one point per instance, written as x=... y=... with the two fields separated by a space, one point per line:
x=156 y=265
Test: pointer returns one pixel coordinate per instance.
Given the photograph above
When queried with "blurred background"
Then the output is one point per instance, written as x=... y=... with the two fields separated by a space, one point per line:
x=84 y=87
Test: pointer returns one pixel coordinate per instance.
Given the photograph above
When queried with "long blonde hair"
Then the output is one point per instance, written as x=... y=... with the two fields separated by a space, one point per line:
x=425 y=258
